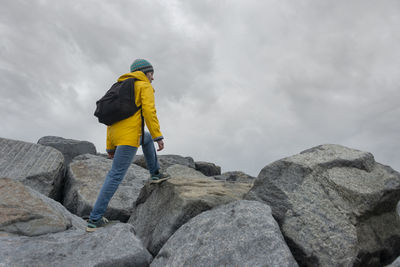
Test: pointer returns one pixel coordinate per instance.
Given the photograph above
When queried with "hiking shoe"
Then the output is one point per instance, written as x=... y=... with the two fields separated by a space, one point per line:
x=94 y=225
x=159 y=176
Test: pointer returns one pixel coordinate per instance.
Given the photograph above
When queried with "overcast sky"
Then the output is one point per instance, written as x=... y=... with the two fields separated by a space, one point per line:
x=238 y=83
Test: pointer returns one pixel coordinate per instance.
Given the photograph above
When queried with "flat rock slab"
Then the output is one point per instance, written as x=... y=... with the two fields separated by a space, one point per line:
x=37 y=166
x=110 y=246
x=68 y=147
x=23 y=211
x=242 y=233
x=162 y=208
x=336 y=206
x=166 y=161
x=85 y=177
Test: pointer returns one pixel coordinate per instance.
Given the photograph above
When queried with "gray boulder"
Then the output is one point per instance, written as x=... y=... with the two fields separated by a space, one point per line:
x=115 y=245
x=85 y=177
x=236 y=176
x=207 y=168
x=242 y=233
x=162 y=208
x=23 y=211
x=336 y=206
x=166 y=161
x=68 y=147
x=39 y=167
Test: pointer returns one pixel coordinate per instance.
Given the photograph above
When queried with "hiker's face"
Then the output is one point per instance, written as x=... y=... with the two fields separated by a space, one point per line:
x=150 y=76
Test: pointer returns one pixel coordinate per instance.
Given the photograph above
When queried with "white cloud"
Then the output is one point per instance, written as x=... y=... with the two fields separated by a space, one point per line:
x=240 y=83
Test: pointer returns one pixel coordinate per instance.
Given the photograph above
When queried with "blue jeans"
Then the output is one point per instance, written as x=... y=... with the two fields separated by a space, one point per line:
x=123 y=158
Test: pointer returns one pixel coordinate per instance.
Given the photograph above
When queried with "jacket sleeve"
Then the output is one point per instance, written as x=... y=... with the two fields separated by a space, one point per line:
x=109 y=145
x=150 y=113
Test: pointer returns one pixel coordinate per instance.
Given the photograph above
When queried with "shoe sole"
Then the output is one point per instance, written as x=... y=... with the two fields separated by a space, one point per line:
x=90 y=230
x=159 y=180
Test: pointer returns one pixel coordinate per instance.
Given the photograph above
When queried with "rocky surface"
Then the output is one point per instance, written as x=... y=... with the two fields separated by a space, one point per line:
x=37 y=166
x=68 y=147
x=336 y=206
x=85 y=178
x=23 y=211
x=207 y=168
x=162 y=208
x=242 y=233
x=115 y=245
x=166 y=161
x=236 y=176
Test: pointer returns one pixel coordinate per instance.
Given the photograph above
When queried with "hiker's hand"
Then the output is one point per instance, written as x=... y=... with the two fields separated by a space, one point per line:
x=111 y=155
x=160 y=145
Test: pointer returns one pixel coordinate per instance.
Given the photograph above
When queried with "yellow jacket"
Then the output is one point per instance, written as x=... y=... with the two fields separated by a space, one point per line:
x=129 y=130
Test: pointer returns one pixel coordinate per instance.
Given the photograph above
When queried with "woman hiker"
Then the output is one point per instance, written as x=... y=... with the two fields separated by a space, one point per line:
x=124 y=138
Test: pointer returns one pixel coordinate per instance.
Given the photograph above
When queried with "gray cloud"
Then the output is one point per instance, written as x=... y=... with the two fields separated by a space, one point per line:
x=240 y=83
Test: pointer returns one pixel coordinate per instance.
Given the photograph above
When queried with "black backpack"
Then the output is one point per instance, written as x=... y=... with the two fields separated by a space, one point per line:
x=118 y=103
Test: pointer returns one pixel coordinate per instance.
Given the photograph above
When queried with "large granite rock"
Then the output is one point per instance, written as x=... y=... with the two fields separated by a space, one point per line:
x=162 y=208
x=85 y=177
x=236 y=176
x=68 y=147
x=37 y=166
x=336 y=206
x=115 y=245
x=242 y=233
x=207 y=168
x=23 y=211
x=166 y=161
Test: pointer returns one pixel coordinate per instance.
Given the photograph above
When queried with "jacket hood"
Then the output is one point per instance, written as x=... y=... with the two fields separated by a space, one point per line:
x=137 y=75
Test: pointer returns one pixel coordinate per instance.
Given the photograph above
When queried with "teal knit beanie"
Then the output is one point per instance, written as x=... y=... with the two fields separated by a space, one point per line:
x=142 y=65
